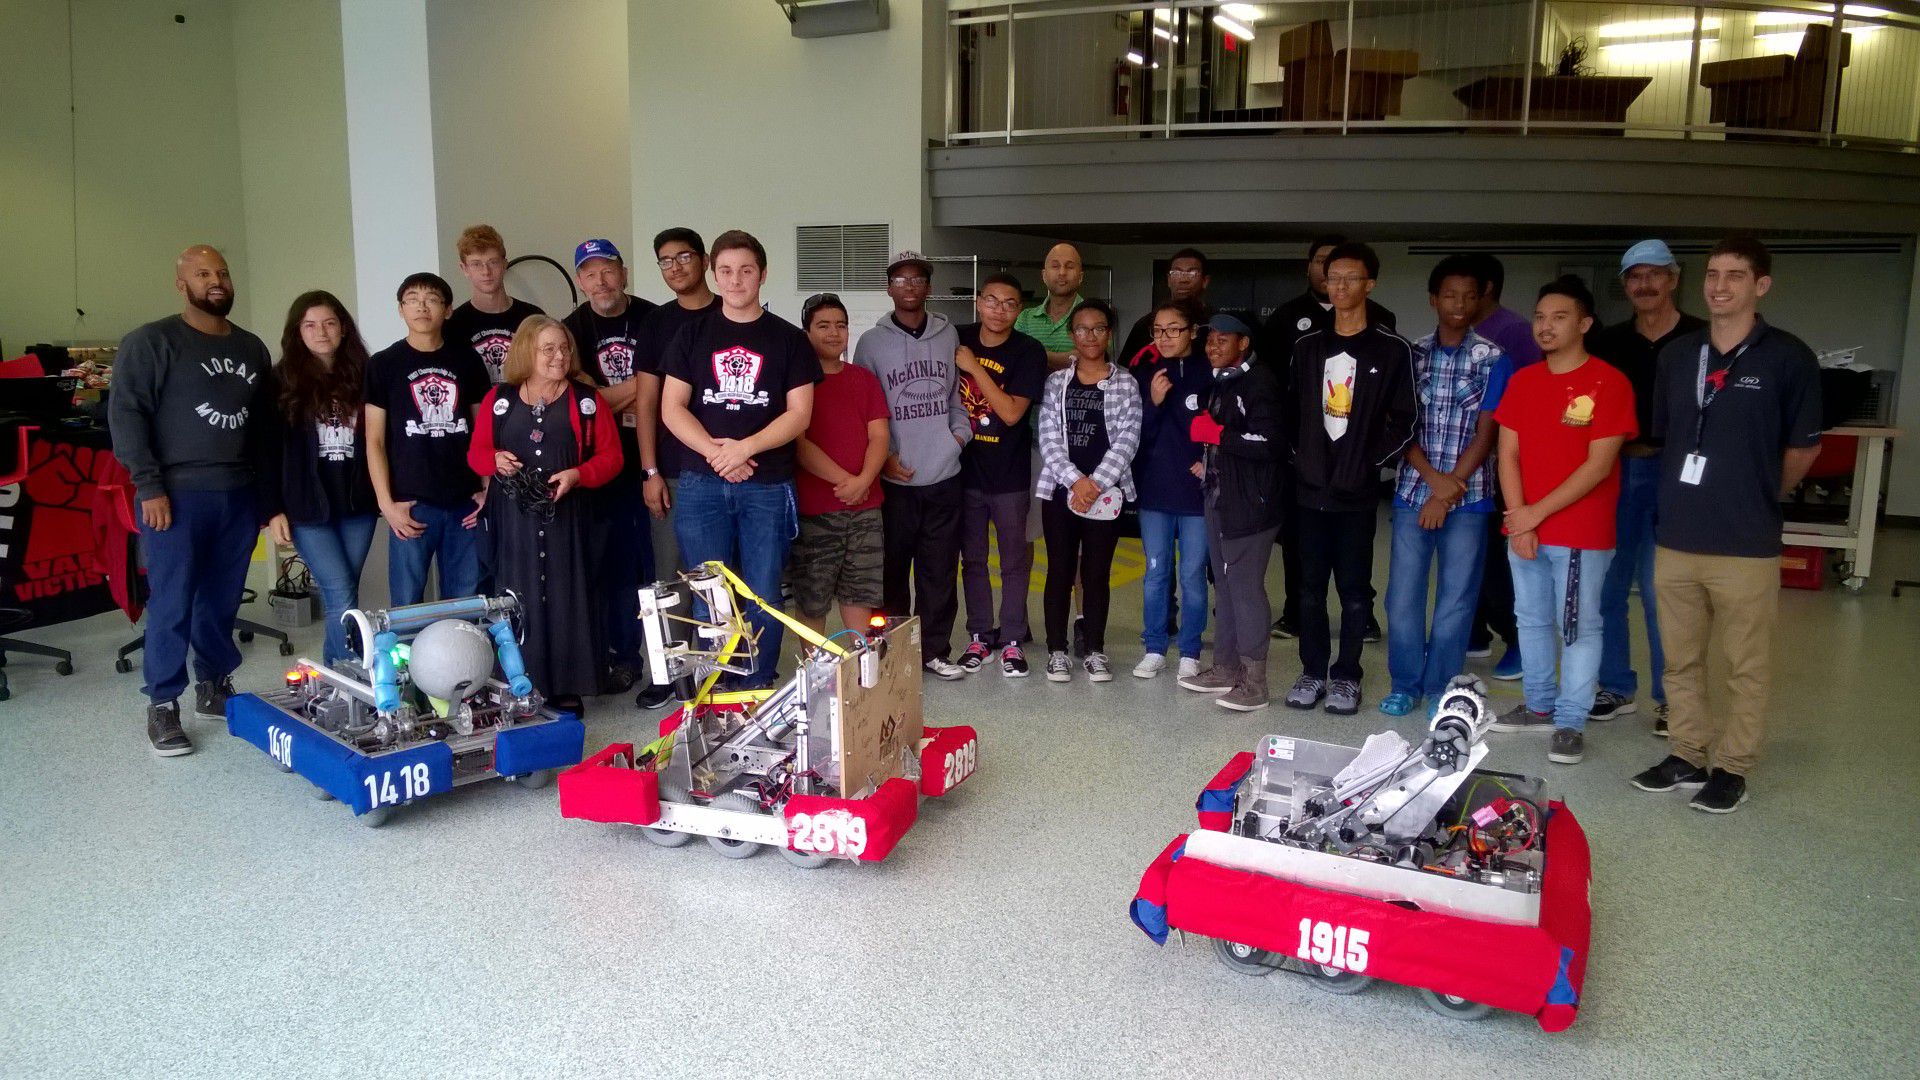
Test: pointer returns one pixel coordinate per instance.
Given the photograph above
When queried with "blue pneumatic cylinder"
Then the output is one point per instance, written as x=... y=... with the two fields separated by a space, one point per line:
x=510 y=663
x=386 y=677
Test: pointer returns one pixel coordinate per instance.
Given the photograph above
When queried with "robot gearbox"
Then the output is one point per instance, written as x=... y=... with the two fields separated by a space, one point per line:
x=437 y=698
x=830 y=765
x=1401 y=862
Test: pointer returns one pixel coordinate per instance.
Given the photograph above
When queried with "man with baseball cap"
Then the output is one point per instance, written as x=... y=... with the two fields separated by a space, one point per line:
x=911 y=351
x=1650 y=275
x=606 y=334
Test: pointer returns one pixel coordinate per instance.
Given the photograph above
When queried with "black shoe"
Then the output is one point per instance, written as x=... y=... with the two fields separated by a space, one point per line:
x=1373 y=634
x=1285 y=630
x=617 y=679
x=1723 y=794
x=1080 y=636
x=652 y=696
x=570 y=703
x=978 y=650
x=210 y=698
x=163 y=730
x=1672 y=772
x=1660 y=720
x=1607 y=705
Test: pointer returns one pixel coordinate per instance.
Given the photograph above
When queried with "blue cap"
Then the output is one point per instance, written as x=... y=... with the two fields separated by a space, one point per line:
x=1647 y=253
x=595 y=249
x=1228 y=324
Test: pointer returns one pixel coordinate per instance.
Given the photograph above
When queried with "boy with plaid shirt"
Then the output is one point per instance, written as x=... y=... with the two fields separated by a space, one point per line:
x=1442 y=493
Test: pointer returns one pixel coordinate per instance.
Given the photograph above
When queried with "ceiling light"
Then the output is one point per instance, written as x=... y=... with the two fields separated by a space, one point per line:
x=1646 y=28
x=1237 y=29
x=1654 y=51
x=1134 y=57
x=1793 y=18
x=1163 y=33
x=1246 y=13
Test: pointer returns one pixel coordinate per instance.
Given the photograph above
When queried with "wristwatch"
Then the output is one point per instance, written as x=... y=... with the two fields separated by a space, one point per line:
x=648 y=474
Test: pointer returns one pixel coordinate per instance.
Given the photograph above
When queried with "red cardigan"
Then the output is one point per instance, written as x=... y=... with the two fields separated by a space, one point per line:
x=583 y=405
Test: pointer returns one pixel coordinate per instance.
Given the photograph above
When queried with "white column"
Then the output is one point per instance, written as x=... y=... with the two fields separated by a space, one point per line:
x=1903 y=474
x=389 y=155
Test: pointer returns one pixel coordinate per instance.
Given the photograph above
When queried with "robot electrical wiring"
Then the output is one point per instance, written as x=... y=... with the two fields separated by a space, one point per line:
x=436 y=698
x=831 y=765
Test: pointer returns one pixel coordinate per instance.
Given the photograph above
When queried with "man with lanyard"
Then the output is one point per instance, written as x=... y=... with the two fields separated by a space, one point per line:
x=1187 y=281
x=1049 y=321
x=1650 y=274
x=1738 y=405
x=606 y=334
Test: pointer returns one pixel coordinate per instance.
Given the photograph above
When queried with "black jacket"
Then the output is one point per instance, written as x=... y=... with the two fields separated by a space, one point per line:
x=1344 y=474
x=1244 y=471
x=1283 y=328
x=299 y=493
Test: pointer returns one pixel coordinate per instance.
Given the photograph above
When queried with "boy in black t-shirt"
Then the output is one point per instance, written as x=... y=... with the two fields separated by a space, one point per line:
x=1003 y=371
x=421 y=393
x=738 y=392
x=486 y=322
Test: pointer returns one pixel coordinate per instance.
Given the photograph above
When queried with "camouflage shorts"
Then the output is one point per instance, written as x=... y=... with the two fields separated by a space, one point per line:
x=837 y=556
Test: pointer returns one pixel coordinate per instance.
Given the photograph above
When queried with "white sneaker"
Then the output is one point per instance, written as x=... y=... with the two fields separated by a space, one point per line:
x=1059 y=667
x=1150 y=665
x=942 y=668
x=1189 y=666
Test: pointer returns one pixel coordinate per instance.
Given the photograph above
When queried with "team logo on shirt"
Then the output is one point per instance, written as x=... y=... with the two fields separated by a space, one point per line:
x=1336 y=394
x=492 y=346
x=736 y=377
x=1579 y=410
x=975 y=402
x=336 y=436
x=1304 y=324
x=616 y=361
x=437 y=397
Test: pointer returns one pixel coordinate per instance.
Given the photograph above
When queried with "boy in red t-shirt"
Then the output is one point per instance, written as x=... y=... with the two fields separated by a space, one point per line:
x=1562 y=424
x=839 y=553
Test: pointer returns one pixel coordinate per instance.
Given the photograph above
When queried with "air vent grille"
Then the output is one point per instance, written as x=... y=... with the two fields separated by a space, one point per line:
x=851 y=257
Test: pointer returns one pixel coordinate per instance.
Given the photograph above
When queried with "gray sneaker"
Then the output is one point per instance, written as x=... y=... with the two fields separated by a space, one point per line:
x=163 y=730
x=1214 y=680
x=1343 y=697
x=1249 y=696
x=1521 y=718
x=1306 y=692
x=1568 y=747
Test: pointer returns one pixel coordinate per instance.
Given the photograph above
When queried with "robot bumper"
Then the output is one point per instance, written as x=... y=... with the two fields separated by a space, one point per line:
x=1391 y=861
x=436 y=699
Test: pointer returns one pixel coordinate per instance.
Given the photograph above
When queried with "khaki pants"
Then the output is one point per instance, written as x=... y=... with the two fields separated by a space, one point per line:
x=1725 y=604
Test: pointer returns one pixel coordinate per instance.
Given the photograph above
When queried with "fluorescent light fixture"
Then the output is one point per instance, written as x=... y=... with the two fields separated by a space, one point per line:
x=1799 y=18
x=1163 y=33
x=1164 y=15
x=1237 y=29
x=1781 y=40
x=1134 y=57
x=1653 y=52
x=1246 y=13
x=1647 y=28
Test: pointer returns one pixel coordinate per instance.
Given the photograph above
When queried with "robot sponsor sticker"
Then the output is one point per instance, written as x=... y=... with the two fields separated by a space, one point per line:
x=829 y=832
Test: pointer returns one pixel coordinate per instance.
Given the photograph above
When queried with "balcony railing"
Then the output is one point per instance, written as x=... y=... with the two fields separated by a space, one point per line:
x=1823 y=73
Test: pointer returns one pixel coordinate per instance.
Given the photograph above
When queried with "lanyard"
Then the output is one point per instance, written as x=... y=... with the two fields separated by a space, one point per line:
x=1704 y=393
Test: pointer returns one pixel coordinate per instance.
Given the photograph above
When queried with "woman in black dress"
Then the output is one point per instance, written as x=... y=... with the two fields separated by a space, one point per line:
x=541 y=434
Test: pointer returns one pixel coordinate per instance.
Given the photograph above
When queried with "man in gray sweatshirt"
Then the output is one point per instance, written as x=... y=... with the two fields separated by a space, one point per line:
x=911 y=351
x=191 y=414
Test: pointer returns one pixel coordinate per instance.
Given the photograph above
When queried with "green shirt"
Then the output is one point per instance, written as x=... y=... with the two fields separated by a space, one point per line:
x=1056 y=337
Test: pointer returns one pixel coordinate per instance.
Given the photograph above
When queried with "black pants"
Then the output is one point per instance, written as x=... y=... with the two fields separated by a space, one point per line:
x=1289 y=541
x=923 y=547
x=1336 y=544
x=1076 y=545
x=1495 y=613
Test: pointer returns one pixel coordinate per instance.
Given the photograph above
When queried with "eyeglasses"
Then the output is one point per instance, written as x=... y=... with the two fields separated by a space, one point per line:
x=684 y=258
x=1170 y=331
x=991 y=304
x=1345 y=279
x=1183 y=273
x=904 y=281
x=553 y=350
x=1089 y=331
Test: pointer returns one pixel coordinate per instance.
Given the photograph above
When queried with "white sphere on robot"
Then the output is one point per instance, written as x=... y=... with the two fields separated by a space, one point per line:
x=451 y=659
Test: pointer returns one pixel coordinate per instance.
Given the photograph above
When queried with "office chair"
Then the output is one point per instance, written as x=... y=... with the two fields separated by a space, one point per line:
x=14 y=617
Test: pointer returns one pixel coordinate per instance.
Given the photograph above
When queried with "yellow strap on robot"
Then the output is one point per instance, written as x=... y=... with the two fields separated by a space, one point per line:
x=800 y=629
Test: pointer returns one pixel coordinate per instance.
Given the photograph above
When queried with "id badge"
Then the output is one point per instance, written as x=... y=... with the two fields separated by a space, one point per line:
x=1694 y=467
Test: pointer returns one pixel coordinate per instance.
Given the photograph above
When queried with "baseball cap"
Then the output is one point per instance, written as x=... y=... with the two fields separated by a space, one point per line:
x=1224 y=323
x=910 y=257
x=595 y=249
x=1647 y=253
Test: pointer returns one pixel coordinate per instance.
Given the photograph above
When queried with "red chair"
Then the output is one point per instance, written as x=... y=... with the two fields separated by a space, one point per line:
x=12 y=617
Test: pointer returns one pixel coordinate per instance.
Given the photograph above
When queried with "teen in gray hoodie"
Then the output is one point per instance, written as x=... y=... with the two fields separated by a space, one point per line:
x=910 y=350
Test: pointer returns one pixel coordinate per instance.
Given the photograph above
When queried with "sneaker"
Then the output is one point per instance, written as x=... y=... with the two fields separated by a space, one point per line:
x=1567 y=748
x=1080 y=635
x=1480 y=652
x=1521 y=718
x=1373 y=634
x=1099 y=669
x=1150 y=665
x=210 y=698
x=1285 y=630
x=617 y=679
x=1398 y=704
x=976 y=655
x=1059 y=667
x=1723 y=794
x=1189 y=666
x=1306 y=692
x=1343 y=697
x=1672 y=772
x=163 y=730
x=1607 y=705
x=1013 y=663
x=1660 y=719
x=1509 y=668
x=1249 y=696
x=653 y=695
x=1214 y=680
x=942 y=668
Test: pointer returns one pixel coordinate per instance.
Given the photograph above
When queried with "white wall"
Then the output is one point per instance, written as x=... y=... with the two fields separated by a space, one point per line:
x=738 y=124
x=101 y=188
x=530 y=134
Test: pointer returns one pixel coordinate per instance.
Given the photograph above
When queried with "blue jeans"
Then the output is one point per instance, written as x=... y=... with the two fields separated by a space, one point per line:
x=196 y=571
x=456 y=545
x=1539 y=606
x=750 y=527
x=1420 y=660
x=335 y=553
x=1161 y=534
x=1632 y=561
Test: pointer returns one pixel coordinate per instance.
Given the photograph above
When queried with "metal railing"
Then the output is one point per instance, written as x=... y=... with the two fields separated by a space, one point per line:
x=1796 y=71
